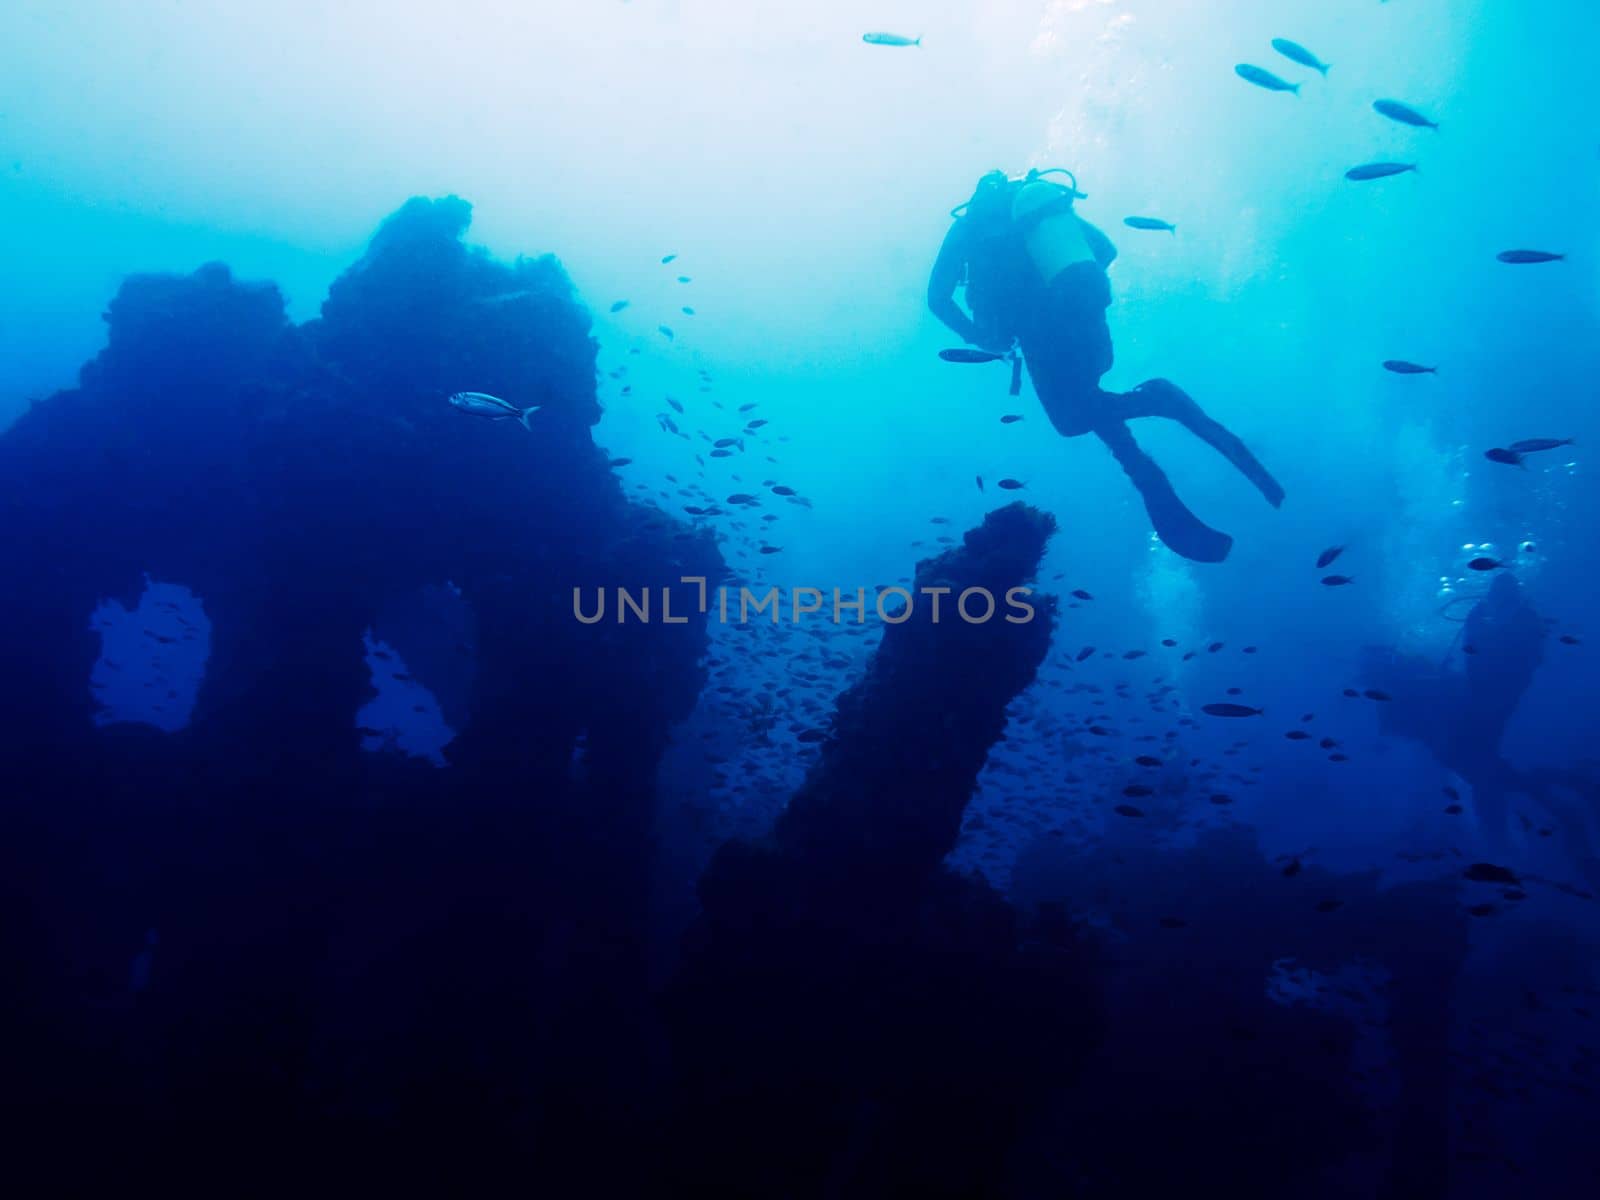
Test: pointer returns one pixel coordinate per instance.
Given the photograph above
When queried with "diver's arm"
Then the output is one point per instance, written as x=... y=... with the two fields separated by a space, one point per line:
x=943 y=281
x=1099 y=244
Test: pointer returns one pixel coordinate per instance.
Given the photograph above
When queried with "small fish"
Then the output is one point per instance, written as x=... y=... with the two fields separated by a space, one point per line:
x=1221 y=798
x=1263 y=78
x=676 y=405
x=1401 y=367
x=782 y=490
x=619 y=305
x=665 y=331
x=1230 y=710
x=1528 y=256
x=721 y=442
x=1081 y=594
x=771 y=549
x=1486 y=564
x=666 y=258
x=1128 y=810
x=962 y=354
x=1084 y=653
x=1328 y=555
x=1010 y=418
x=1148 y=760
x=1510 y=458
x=1135 y=790
x=1378 y=170
x=1533 y=445
x=481 y=404
x=1453 y=810
x=1375 y=694
x=619 y=462
x=1293 y=869
x=979 y=478
x=1011 y=485
x=1297 y=735
x=687 y=311
x=1403 y=113
x=889 y=39
x=1483 y=872
x=1295 y=52
x=1152 y=224
x=1571 y=639
x=683 y=279
x=1337 y=580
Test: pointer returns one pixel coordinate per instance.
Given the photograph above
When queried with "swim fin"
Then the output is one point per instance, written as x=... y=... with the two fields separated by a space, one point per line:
x=1178 y=528
x=1163 y=398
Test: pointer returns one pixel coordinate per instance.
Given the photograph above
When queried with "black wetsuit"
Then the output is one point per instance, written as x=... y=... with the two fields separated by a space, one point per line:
x=1066 y=343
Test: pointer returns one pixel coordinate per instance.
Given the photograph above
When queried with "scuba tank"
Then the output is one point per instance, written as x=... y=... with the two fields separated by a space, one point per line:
x=1042 y=216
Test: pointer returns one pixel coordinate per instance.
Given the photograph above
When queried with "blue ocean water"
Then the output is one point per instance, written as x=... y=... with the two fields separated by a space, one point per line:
x=331 y=826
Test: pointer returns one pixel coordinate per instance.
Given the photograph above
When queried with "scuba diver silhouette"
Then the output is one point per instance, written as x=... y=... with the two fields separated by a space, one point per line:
x=1035 y=276
x=1461 y=716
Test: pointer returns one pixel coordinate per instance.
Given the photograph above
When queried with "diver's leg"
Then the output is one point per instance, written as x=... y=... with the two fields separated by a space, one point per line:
x=1075 y=406
x=1180 y=529
x=1066 y=344
x=1162 y=398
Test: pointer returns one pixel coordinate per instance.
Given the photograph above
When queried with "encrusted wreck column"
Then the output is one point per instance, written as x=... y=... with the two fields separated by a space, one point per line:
x=852 y=1017
x=355 y=950
x=910 y=738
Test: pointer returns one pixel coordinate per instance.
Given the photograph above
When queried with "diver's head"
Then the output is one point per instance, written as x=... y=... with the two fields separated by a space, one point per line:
x=1071 y=183
x=1503 y=591
x=990 y=180
x=988 y=198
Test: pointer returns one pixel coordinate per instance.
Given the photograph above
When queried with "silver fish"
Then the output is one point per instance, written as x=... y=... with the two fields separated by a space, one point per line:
x=481 y=404
x=1403 y=113
x=889 y=39
x=1265 y=79
x=1150 y=223
x=1378 y=170
x=1295 y=52
x=1230 y=710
